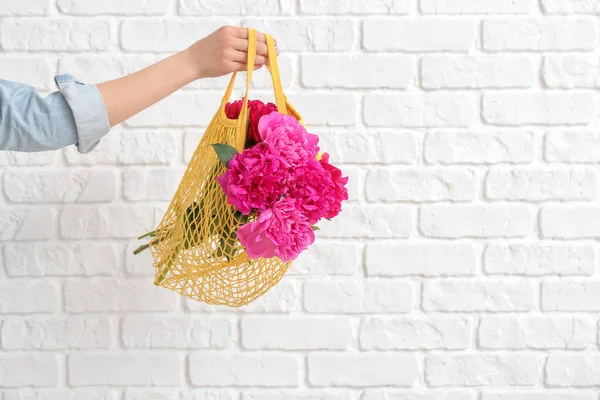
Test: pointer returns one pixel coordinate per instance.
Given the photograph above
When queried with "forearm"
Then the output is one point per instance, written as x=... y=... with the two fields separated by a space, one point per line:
x=127 y=96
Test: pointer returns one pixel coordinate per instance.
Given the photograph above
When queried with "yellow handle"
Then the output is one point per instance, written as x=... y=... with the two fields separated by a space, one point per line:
x=275 y=76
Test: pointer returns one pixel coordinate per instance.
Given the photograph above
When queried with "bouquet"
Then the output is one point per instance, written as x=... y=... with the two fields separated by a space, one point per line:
x=280 y=185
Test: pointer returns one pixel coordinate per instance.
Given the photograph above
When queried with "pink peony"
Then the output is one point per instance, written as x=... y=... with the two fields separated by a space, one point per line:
x=319 y=189
x=288 y=138
x=232 y=110
x=281 y=231
x=255 y=179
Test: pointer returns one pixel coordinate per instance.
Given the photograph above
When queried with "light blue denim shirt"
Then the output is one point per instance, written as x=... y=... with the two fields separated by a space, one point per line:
x=74 y=115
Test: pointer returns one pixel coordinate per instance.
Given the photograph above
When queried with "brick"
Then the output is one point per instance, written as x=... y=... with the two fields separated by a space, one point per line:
x=169 y=394
x=35 y=370
x=24 y=8
x=125 y=369
x=27 y=159
x=102 y=67
x=178 y=110
x=362 y=370
x=513 y=369
x=469 y=72
x=387 y=333
x=385 y=71
x=164 y=35
x=101 y=295
x=536 y=332
x=431 y=259
x=298 y=394
x=141 y=264
x=473 y=295
x=540 y=259
x=296 y=333
x=571 y=71
x=209 y=8
x=244 y=369
x=352 y=296
x=55 y=35
x=545 y=395
x=114 y=7
x=355 y=185
x=424 y=35
x=476 y=6
x=116 y=221
x=150 y=184
x=547 y=34
x=370 y=148
x=29 y=223
x=34 y=71
x=84 y=186
x=538 y=108
x=60 y=394
x=60 y=259
x=21 y=297
x=572 y=370
x=307 y=34
x=489 y=221
x=570 y=7
x=419 y=110
x=176 y=332
x=371 y=221
x=414 y=395
x=126 y=148
x=418 y=185
x=282 y=298
x=329 y=258
x=572 y=147
x=570 y=222
x=540 y=185
x=570 y=295
x=326 y=109
x=359 y=7
x=477 y=147
x=57 y=333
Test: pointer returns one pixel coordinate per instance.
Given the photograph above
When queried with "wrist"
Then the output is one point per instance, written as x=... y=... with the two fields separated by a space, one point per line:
x=189 y=66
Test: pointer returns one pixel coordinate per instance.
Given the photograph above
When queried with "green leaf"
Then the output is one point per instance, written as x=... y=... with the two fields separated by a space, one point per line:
x=315 y=228
x=225 y=152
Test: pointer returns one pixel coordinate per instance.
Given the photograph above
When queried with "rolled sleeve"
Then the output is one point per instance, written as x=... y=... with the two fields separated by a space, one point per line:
x=89 y=111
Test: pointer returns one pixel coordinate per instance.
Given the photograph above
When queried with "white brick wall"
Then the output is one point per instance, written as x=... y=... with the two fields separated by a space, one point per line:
x=463 y=267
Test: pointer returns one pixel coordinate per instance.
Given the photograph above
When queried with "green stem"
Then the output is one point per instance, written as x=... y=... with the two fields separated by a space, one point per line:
x=165 y=270
x=153 y=233
x=140 y=249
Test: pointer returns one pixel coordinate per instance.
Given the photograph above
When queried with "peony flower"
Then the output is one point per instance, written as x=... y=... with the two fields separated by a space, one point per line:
x=233 y=110
x=318 y=189
x=258 y=109
x=255 y=179
x=288 y=138
x=281 y=231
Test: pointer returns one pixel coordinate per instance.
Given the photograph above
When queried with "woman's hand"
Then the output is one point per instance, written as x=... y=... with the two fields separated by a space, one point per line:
x=225 y=51
x=222 y=52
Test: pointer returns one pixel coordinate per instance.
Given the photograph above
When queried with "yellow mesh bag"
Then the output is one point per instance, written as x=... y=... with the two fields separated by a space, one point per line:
x=196 y=252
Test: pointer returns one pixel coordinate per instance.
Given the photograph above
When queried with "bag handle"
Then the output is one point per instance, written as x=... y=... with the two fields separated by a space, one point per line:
x=273 y=68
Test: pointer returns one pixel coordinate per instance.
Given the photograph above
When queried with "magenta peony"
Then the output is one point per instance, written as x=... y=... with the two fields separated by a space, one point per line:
x=287 y=138
x=281 y=231
x=255 y=179
x=319 y=189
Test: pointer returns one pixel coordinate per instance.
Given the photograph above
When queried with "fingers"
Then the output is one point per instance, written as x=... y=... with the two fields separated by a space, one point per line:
x=243 y=67
x=242 y=45
x=242 y=33
x=242 y=57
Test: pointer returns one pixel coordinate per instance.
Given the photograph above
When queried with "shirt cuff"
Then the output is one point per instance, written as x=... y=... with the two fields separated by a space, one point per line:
x=89 y=111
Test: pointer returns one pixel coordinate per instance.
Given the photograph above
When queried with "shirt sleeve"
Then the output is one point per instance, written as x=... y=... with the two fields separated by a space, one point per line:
x=74 y=115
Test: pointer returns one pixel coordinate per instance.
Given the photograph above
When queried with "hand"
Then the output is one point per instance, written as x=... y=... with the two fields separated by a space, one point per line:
x=225 y=51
